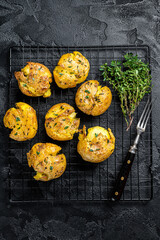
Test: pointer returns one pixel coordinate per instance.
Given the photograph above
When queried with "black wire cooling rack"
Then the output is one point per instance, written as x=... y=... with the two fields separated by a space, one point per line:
x=81 y=180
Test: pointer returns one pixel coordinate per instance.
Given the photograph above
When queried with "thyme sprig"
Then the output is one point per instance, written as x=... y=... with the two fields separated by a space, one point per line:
x=131 y=79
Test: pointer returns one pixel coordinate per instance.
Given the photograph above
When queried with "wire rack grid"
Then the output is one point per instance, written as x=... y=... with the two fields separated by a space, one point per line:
x=81 y=181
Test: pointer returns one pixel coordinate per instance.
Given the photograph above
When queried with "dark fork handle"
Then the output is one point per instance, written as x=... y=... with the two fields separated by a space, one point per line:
x=122 y=177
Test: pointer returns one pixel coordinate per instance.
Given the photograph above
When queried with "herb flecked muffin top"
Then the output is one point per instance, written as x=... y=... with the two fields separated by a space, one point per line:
x=97 y=145
x=72 y=69
x=34 y=80
x=93 y=99
x=46 y=161
x=61 y=123
x=22 y=120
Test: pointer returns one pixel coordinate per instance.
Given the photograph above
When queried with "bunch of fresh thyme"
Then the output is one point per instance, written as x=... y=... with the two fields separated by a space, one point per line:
x=131 y=83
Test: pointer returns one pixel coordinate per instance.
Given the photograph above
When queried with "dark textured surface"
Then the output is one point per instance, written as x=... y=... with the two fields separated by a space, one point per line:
x=83 y=22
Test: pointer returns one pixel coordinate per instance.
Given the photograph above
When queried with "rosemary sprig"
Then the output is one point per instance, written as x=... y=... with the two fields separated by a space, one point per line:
x=131 y=83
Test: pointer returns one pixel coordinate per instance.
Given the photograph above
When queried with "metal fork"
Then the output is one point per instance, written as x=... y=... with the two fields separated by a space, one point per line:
x=126 y=167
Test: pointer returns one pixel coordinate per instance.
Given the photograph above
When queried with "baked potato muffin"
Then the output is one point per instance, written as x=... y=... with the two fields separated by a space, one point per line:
x=46 y=161
x=93 y=99
x=97 y=145
x=72 y=68
x=22 y=120
x=61 y=122
x=34 y=80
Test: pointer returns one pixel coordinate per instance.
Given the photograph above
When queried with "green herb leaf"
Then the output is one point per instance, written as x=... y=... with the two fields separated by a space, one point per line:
x=61 y=74
x=24 y=85
x=87 y=91
x=55 y=124
x=107 y=140
x=17 y=119
x=63 y=119
x=131 y=79
x=91 y=150
x=97 y=149
x=51 y=168
x=96 y=134
x=79 y=60
x=16 y=133
x=18 y=128
x=38 y=153
x=87 y=96
x=66 y=127
x=69 y=66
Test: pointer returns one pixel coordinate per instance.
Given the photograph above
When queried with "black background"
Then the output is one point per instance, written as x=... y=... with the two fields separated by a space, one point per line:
x=81 y=22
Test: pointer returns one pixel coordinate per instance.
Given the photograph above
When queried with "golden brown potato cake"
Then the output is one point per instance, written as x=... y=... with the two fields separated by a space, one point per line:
x=22 y=120
x=34 y=80
x=97 y=145
x=61 y=122
x=73 y=68
x=93 y=99
x=46 y=161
